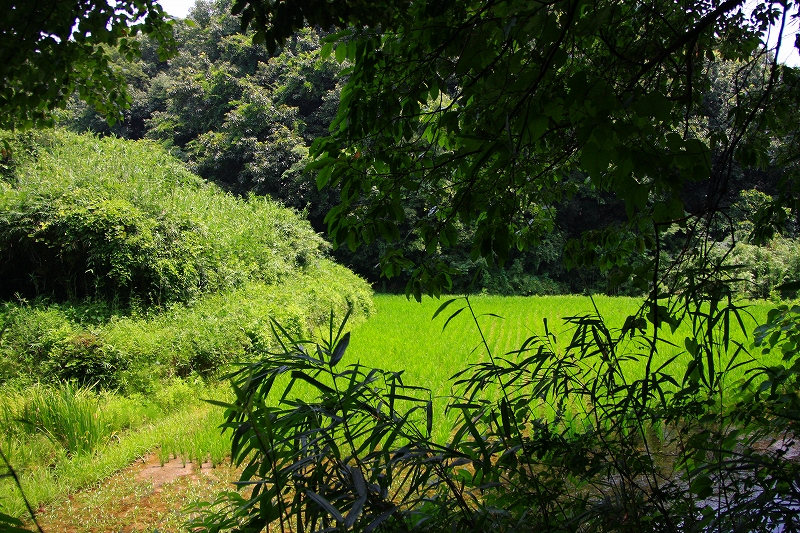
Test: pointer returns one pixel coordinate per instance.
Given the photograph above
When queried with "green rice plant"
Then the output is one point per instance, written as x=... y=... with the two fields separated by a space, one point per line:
x=197 y=438
x=401 y=335
x=67 y=414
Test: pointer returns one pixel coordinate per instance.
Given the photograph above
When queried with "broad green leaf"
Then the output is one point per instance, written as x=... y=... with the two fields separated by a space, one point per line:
x=594 y=160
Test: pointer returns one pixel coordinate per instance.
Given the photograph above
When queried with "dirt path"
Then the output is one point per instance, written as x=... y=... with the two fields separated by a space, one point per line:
x=144 y=497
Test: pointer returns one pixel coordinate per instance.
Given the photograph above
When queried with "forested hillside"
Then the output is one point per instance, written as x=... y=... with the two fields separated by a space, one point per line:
x=245 y=120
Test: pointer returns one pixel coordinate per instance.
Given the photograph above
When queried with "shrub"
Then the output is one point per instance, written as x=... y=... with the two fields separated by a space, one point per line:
x=123 y=221
x=84 y=358
x=765 y=268
x=30 y=335
x=96 y=228
x=52 y=343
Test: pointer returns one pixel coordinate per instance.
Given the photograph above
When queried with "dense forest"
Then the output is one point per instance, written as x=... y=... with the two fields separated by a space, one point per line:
x=245 y=119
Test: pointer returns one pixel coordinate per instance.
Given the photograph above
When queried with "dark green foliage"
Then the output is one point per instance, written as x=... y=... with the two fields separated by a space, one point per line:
x=50 y=49
x=245 y=119
x=445 y=106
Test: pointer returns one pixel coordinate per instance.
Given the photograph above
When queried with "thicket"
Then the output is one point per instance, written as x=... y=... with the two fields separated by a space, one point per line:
x=93 y=344
x=124 y=222
x=120 y=267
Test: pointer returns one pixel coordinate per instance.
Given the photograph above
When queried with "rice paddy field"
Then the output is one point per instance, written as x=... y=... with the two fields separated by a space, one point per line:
x=402 y=335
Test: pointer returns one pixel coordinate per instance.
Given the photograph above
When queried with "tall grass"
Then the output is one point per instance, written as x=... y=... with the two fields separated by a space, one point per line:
x=67 y=414
x=173 y=420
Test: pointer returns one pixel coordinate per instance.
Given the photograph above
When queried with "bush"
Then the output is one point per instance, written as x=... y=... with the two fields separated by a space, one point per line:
x=42 y=342
x=30 y=333
x=52 y=343
x=124 y=222
x=515 y=281
x=139 y=270
x=84 y=358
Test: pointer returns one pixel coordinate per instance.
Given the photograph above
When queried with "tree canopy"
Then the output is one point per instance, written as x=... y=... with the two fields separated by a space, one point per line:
x=50 y=49
x=468 y=131
x=494 y=111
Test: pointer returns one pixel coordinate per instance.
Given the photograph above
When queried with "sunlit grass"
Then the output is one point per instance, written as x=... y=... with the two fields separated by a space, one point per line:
x=174 y=421
x=403 y=336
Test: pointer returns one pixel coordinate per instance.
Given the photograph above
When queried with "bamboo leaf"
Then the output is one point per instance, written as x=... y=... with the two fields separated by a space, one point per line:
x=341 y=346
x=326 y=505
x=355 y=511
x=361 y=489
x=308 y=379
x=381 y=518
x=452 y=317
x=443 y=307
x=506 y=417
x=429 y=409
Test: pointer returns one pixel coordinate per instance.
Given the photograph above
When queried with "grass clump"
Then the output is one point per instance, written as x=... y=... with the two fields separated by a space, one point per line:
x=68 y=415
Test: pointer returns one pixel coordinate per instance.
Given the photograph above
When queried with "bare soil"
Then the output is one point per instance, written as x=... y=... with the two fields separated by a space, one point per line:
x=146 y=496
